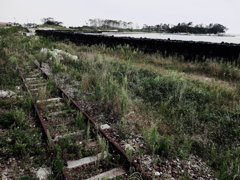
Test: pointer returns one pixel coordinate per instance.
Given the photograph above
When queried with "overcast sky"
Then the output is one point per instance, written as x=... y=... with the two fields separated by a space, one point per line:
x=150 y=12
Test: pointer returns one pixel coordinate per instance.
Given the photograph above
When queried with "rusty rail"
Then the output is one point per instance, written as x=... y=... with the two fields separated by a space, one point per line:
x=103 y=133
x=38 y=113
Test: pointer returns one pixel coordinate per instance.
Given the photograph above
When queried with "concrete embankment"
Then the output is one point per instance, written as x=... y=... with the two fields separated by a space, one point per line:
x=189 y=49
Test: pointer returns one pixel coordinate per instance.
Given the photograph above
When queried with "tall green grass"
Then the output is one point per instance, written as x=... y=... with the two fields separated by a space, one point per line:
x=191 y=116
x=19 y=138
x=200 y=118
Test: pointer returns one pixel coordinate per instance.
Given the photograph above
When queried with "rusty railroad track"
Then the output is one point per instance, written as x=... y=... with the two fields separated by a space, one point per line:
x=57 y=113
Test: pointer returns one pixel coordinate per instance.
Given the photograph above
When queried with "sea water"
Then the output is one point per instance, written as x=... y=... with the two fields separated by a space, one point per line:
x=184 y=37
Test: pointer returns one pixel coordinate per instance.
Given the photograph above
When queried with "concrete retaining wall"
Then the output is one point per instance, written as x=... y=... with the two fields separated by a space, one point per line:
x=189 y=49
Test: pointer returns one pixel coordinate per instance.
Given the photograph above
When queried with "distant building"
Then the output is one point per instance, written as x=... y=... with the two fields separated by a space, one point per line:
x=5 y=24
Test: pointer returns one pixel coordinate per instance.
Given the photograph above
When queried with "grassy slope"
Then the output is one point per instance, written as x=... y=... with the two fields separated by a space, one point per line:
x=194 y=111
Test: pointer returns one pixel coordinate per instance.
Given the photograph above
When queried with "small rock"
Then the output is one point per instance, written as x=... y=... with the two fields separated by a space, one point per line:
x=129 y=147
x=105 y=126
x=195 y=167
x=158 y=173
x=42 y=173
x=6 y=94
x=44 y=51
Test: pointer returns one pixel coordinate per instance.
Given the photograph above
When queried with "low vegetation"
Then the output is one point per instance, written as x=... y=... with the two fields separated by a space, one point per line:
x=193 y=112
x=180 y=107
x=22 y=150
x=109 y=24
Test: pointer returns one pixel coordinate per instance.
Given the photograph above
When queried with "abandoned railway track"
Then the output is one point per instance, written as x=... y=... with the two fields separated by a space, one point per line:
x=81 y=148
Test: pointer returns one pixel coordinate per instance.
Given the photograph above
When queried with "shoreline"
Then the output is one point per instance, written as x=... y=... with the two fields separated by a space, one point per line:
x=183 y=34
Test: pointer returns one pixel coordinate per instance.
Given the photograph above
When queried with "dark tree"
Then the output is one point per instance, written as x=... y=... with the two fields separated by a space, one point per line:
x=198 y=29
x=217 y=28
x=51 y=21
x=109 y=23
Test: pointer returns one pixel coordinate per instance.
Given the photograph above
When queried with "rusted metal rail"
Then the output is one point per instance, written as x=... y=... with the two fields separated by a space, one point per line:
x=37 y=111
x=113 y=143
x=111 y=140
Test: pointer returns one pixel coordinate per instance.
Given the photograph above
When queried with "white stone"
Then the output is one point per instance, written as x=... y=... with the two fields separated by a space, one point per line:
x=4 y=174
x=42 y=173
x=105 y=126
x=55 y=105
x=69 y=134
x=61 y=52
x=44 y=51
x=49 y=100
x=6 y=93
x=55 y=113
x=30 y=79
x=129 y=147
x=86 y=160
x=35 y=89
x=195 y=166
x=158 y=173
x=109 y=174
x=58 y=54
x=147 y=160
x=30 y=34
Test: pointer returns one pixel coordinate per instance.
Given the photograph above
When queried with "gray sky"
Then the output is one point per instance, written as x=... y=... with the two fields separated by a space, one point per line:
x=150 y=12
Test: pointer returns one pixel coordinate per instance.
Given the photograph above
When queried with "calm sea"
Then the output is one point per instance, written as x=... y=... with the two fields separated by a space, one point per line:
x=206 y=38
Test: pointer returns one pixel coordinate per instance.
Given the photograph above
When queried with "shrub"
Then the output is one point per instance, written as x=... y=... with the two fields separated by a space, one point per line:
x=157 y=144
x=12 y=117
x=80 y=121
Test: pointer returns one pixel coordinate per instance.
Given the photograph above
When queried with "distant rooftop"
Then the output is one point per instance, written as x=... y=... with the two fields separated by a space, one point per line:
x=5 y=24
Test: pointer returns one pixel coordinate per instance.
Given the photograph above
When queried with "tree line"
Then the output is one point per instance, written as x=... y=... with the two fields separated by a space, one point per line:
x=51 y=21
x=187 y=28
x=115 y=24
x=108 y=23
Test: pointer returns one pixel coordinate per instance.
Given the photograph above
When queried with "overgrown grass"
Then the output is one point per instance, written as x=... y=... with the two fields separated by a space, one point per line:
x=198 y=117
x=206 y=67
x=80 y=121
x=191 y=115
x=19 y=137
x=15 y=117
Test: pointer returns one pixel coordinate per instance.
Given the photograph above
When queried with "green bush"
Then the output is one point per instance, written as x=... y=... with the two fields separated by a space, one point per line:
x=12 y=117
x=157 y=144
x=58 y=165
x=80 y=121
x=7 y=119
x=22 y=142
